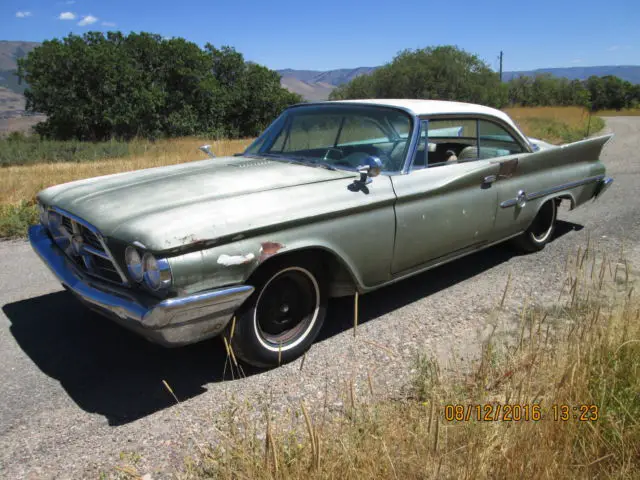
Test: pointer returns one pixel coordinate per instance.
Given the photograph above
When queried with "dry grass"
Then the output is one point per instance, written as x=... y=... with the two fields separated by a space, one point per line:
x=23 y=182
x=632 y=112
x=555 y=124
x=585 y=351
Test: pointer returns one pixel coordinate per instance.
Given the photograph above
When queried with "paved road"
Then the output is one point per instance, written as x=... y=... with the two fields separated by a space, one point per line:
x=76 y=390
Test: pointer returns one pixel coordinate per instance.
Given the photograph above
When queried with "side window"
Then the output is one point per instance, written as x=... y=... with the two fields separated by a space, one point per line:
x=450 y=141
x=495 y=141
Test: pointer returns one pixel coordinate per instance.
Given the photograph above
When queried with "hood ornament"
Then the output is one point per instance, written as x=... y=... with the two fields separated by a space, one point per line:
x=207 y=149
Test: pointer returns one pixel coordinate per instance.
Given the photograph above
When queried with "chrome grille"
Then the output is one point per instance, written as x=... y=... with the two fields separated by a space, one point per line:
x=84 y=245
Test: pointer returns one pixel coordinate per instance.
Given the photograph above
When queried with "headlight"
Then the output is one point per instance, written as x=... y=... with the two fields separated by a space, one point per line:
x=157 y=273
x=55 y=220
x=42 y=213
x=134 y=264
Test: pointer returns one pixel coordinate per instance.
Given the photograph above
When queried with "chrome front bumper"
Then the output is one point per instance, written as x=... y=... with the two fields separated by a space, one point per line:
x=170 y=322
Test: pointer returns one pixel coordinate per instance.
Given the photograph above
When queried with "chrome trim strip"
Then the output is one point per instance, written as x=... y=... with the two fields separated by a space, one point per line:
x=96 y=232
x=548 y=191
x=97 y=253
x=413 y=145
x=171 y=321
x=76 y=219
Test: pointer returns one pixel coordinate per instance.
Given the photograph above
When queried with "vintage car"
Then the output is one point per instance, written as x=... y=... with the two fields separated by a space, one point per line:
x=332 y=199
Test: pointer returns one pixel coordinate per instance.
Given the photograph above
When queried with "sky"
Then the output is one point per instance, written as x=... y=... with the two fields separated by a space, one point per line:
x=329 y=34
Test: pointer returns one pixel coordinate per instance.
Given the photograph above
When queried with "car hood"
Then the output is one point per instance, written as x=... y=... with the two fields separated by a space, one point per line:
x=156 y=206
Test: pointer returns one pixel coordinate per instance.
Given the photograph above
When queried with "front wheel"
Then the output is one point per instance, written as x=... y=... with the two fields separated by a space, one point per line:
x=283 y=316
x=541 y=229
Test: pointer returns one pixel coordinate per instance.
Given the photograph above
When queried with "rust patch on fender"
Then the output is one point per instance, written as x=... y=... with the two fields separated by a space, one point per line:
x=267 y=249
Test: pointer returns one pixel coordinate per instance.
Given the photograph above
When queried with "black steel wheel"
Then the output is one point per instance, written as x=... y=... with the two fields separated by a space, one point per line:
x=283 y=316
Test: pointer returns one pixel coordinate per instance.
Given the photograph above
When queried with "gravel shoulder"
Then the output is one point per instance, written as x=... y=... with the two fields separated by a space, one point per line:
x=78 y=390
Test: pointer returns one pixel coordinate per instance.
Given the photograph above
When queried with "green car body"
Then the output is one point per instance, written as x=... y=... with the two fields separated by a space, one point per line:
x=215 y=223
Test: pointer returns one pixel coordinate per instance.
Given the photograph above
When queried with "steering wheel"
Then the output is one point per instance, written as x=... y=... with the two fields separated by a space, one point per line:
x=327 y=155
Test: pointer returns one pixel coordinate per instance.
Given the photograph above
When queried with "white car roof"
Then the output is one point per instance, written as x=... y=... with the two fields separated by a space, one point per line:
x=433 y=107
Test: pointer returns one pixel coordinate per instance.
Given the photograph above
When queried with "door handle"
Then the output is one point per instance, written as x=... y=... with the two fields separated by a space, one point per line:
x=489 y=179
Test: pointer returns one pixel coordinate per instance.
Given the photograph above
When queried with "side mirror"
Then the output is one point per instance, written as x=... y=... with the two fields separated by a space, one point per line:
x=371 y=167
x=207 y=149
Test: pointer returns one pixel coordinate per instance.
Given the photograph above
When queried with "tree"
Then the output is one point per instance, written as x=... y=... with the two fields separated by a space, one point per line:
x=443 y=72
x=99 y=86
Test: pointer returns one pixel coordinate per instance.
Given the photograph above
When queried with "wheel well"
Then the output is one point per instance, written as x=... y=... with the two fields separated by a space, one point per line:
x=340 y=278
x=568 y=197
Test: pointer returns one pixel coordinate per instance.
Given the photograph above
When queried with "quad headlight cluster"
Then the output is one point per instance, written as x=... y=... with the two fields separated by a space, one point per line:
x=154 y=272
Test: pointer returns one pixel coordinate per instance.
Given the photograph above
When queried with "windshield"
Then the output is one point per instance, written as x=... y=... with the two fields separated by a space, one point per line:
x=338 y=136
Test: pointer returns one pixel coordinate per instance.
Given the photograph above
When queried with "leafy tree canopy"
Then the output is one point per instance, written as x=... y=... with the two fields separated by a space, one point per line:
x=99 y=86
x=449 y=73
x=443 y=72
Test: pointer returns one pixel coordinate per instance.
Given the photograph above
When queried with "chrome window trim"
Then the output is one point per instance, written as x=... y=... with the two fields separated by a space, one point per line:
x=413 y=144
x=109 y=256
x=548 y=191
x=518 y=136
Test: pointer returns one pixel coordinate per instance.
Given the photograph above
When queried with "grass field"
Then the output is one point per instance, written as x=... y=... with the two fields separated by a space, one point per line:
x=583 y=352
x=42 y=164
x=555 y=124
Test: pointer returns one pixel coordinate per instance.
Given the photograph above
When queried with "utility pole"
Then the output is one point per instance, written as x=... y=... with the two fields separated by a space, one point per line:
x=501 y=65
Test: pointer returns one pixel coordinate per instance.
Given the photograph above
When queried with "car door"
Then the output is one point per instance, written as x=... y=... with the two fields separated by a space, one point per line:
x=498 y=144
x=443 y=208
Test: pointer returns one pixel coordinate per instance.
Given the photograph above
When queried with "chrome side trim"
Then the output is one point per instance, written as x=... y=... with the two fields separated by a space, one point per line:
x=548 y=191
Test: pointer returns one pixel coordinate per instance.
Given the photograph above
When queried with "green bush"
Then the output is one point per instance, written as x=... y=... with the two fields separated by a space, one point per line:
x=15 y=219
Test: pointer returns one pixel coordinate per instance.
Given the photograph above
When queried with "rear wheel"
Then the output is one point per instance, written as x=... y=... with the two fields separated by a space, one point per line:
x=283 y=316
x=541 y=229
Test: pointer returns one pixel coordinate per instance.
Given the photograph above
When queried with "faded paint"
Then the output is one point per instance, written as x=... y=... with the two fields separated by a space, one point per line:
x=229 y=260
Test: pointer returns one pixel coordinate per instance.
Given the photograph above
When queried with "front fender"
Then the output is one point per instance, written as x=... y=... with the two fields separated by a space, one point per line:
x=362 y=242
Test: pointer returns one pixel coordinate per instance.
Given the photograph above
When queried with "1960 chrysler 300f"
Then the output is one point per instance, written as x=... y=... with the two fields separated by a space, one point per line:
x=333 y=198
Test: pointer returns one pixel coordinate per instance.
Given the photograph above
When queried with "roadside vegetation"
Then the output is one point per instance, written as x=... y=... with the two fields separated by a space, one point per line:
x=573 y=368
x=149 y=87
x=556 y=124
x=449 y=73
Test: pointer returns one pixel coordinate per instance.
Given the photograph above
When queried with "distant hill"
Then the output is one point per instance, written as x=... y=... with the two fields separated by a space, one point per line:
x=630 y=73
x=317 y=85
x=10 y=52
